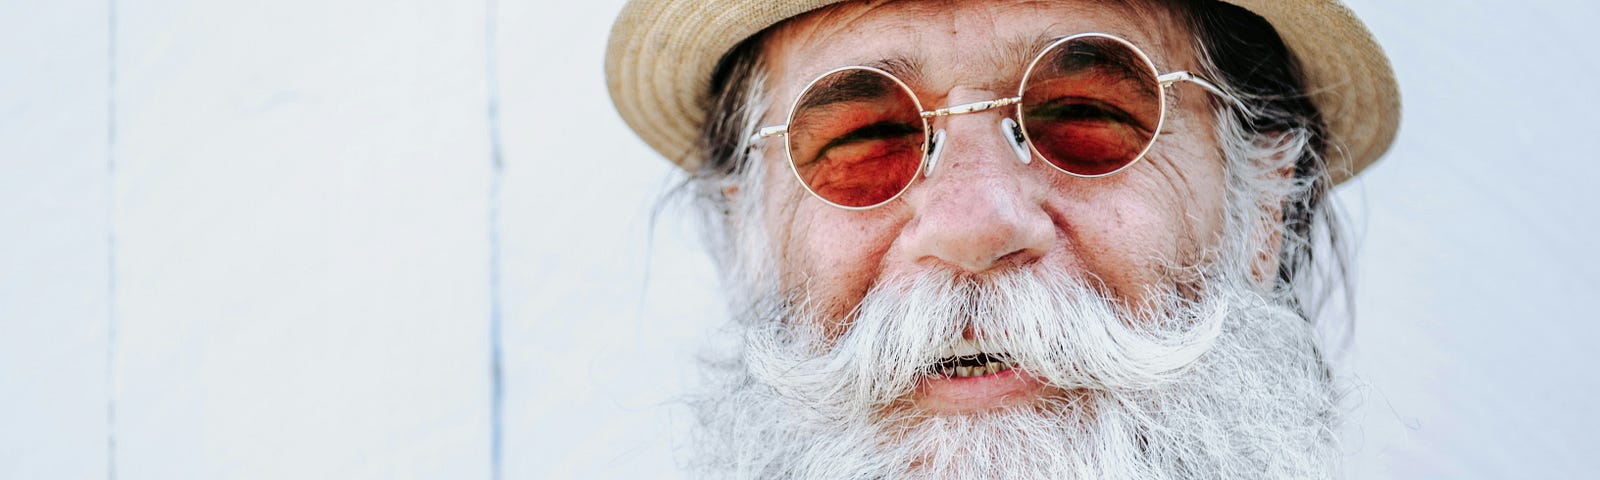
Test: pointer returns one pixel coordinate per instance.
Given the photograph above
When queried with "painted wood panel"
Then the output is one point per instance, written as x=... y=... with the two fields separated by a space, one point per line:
x=1476 y=300
x=54 y=239
x=603 y=313
x=303 y=232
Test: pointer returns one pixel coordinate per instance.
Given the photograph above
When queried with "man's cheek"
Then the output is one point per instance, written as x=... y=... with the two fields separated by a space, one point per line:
x=838 y=261
x=1118 y=243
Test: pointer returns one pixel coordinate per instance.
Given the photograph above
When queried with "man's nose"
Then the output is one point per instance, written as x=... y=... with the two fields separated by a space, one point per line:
x=981 y=207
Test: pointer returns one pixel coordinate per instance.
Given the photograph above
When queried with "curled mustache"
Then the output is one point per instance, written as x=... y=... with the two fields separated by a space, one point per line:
x=1053 y=326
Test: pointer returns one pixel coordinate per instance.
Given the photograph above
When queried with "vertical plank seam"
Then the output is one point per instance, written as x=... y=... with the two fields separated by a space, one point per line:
x=497 y=168
x=111 y=240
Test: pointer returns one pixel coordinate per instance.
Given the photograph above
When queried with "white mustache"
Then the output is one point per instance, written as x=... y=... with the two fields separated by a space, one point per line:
x=1051 y=325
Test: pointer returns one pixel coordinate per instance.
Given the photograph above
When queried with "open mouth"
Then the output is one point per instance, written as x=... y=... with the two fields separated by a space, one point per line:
x=972 y=365
x=972 y=374
x=965 y=359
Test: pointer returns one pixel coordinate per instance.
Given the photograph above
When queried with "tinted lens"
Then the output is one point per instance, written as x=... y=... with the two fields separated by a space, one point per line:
x=856 y=137
x=1091 y=105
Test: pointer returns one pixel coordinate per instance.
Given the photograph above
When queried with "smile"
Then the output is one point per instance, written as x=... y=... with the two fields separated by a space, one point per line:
x=966 y=377
x=977 y=365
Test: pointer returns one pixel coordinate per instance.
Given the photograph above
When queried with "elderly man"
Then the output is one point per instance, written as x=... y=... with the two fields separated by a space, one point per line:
x=996 y=239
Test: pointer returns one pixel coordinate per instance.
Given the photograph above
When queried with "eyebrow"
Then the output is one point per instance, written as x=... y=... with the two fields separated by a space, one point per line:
x=861 y=84
x=907 y=69
x=847 y=86
x=1124 y=63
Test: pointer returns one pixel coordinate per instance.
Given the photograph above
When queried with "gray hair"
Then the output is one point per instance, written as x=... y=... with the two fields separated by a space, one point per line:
x=1279 y=128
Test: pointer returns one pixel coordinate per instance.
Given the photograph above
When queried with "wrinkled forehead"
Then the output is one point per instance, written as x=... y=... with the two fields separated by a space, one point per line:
x=945 y=44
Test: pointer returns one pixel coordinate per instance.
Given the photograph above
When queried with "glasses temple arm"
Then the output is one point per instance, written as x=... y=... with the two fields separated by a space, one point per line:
x=765 y=132
x=1183 y=76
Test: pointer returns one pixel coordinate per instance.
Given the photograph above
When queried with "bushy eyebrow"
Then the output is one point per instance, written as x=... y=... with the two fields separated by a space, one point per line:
x=861 y=84
x=906 y=68
x=846 y=87
x=1123 y=64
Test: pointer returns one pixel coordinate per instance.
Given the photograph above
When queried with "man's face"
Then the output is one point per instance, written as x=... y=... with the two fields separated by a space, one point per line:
x=982 y=211
x=1002 y=319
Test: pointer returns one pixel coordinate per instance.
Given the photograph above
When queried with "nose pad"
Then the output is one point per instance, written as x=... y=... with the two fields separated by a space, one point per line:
x=935 y=148
x=1008 y=129
x=1013 y=132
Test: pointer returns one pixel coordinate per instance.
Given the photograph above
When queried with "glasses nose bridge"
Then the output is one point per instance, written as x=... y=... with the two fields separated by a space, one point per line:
x=972 y=107
x=930 y=160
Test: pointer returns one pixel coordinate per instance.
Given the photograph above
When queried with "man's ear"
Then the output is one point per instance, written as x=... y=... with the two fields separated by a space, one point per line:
x=730 y=197
x=1264 y=267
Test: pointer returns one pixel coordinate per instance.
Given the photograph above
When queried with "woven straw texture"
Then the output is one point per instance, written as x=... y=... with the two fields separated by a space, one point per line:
x=662 y=53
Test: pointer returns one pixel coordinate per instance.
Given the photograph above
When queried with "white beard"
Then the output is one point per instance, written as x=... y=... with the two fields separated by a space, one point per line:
x=1223 y=385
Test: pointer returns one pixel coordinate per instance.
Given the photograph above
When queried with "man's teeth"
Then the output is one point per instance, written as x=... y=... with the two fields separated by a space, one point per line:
x=966 y=358
x=961 y=371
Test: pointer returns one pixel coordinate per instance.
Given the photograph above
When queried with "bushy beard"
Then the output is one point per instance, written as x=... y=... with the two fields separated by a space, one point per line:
x=1205 y=379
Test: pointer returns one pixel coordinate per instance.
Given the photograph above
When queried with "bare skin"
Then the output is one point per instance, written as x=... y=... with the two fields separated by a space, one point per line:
x=982 y=211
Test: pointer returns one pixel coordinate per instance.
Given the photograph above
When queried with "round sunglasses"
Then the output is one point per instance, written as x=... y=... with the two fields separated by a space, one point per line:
x=1090 y=105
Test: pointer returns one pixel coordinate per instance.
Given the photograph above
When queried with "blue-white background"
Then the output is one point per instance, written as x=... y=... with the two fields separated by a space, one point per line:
x=268 y=239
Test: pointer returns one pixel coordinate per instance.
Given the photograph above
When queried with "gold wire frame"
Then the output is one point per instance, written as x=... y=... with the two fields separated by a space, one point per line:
x=1162 y=80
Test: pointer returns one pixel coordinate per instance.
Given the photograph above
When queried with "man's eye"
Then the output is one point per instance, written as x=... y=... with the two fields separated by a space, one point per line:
x=876 y=132
x=1077 y=110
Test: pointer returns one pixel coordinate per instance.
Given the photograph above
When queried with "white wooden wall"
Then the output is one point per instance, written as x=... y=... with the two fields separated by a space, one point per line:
x=411 y=239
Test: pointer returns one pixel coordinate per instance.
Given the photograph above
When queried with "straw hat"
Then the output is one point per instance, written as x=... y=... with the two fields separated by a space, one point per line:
x=662 y=54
